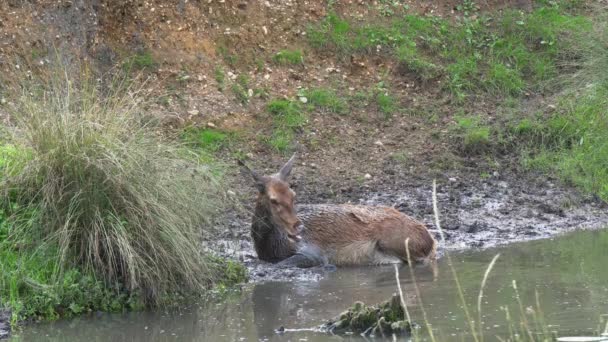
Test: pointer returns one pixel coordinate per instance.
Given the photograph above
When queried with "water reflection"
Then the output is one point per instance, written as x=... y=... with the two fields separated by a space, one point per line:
x=568 y=273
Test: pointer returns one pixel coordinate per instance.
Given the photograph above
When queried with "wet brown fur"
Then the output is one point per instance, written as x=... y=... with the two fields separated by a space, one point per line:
x=354 y=235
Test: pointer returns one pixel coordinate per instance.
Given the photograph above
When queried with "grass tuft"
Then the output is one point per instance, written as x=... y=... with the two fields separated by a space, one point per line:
x=326 y=99
x=289 y=57
x=98 y=190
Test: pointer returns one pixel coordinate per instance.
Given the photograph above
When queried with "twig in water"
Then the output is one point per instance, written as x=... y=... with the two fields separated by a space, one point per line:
x=483 y=285
x=470 y=322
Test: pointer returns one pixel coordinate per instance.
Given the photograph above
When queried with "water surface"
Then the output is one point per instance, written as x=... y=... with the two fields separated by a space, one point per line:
x=569 y=273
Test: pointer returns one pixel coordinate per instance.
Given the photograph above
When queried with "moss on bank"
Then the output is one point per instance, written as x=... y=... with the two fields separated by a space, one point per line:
x=381 y=320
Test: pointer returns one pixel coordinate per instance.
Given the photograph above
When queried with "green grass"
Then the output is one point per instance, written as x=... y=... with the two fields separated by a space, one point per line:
x=220 y=77
x=240 y=89
x=207 y=139
x=326 y=99
x=90 y=193
x=143 y=60
x=289 y=57
x=287 y=118
x=571 y=141
x=574 y=143
x=502 y=55
x=473 y=136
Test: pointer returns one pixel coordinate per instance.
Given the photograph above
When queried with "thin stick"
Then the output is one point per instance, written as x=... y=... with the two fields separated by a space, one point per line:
x=454 y=275
x=409 y=263
x=524 y=320
x=407 y=314
x=483 y=285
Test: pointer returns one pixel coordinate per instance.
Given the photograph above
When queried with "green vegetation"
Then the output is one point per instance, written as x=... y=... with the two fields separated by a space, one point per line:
x=289 y=57
x=220 y=77
x=288 y=117
x=143 y=60
x=99 y=212
x=210 y=140
x=384 y=319
x=572 y=141
x=474 y=137
x=326 y=99
x=240 y=89
x=502 y=55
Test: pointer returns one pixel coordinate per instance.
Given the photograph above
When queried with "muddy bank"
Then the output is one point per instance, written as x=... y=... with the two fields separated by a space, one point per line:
x=5 y=323
x=475 y=212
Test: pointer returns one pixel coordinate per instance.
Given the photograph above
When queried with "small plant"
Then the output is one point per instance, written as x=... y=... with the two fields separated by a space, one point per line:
x=240 y=89
x=400 y=157
x=289 y=57
x=287 y=113
x=220 y=77
x=240 y=93
x=332 y=32
x=475 y=137
x=384 y=100
x=287 y=118
x=141 y=61
x=411 y=60
x=281 y=140
x=325 y=99
x=207 y=139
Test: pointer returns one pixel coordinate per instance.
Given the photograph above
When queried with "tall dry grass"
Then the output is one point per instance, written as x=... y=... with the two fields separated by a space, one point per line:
x=103 y=189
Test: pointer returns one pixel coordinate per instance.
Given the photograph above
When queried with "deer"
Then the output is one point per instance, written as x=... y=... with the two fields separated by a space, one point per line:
x=309 y=235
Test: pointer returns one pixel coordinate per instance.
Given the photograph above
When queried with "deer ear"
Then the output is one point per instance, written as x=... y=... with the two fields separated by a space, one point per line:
x=260 y=181
x=286 y=169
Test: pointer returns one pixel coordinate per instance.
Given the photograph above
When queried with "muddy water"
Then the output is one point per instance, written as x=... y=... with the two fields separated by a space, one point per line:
x=569 y=273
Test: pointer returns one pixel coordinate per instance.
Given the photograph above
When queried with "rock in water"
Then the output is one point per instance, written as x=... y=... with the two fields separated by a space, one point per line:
x=382 y=320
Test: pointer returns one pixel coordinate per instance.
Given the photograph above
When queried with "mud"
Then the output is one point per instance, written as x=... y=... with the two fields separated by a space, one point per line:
x=475 y=213
x=5 y=323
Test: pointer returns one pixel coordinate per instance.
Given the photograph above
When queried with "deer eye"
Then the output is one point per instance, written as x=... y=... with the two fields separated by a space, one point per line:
x=274 y=201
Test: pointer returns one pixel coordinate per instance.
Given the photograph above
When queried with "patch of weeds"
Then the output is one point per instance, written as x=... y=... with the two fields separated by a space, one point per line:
x=503 y=80
x=474 y=137
x=241 y=94
x=575 y=139
x=220 y=77
x=287 y=117
x=400 y=157
x=332 y=33
x=259 y=64
x=384 y=100
x=501 y=55
x=287 y=113
x=412 y=61
x=388 y=8
x=462 y=77
x=143 y=60
x=263 y=92
x=281 y=140
x=207 y=139
x=229 y=58
x=289 y=57
x=326 y=99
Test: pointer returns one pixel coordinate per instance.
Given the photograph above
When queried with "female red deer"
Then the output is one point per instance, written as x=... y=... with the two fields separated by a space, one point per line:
x=322 y=233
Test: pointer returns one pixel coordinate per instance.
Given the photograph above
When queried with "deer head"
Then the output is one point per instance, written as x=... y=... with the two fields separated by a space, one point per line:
x=277 y=198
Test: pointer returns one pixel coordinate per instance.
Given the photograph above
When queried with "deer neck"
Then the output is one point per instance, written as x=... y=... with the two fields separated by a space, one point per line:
x=271 y=243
